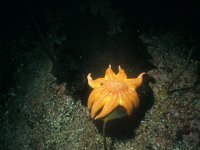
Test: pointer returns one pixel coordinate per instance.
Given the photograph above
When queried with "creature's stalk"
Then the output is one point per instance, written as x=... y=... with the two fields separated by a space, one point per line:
x=104 y=134
x=120 y=112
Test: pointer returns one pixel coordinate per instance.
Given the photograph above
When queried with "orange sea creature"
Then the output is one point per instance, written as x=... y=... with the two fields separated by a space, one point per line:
x=112 y=91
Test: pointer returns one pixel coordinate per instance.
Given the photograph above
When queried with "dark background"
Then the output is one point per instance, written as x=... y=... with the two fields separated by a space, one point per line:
x=29 y=20
x=175 y=15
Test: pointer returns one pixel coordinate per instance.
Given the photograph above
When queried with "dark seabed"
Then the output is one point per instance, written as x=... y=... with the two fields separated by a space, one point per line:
x=47 y=49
